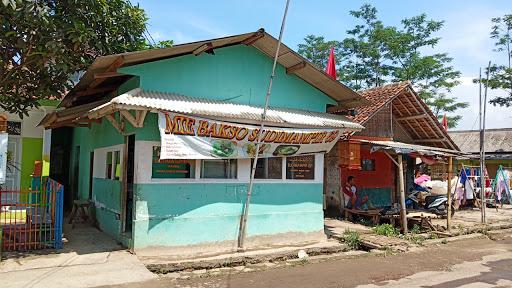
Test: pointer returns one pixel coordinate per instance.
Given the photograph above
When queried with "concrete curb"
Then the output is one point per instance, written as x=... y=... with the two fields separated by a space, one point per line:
x=241 y=260
x=291 y=255
x=431 y=242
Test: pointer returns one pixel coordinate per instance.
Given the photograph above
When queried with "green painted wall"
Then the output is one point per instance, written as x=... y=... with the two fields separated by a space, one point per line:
x=185 y=214
x=237 y=74
x=106 y=193
x=31 y=150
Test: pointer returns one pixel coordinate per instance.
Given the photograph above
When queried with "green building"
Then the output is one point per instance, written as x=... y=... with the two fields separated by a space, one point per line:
x=108 y=129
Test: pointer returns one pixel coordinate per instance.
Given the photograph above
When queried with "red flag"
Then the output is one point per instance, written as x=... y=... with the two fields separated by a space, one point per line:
x=331 y=65
x=445 y=123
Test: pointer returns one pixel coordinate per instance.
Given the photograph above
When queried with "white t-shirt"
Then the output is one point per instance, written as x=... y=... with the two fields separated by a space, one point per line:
x=353 y=189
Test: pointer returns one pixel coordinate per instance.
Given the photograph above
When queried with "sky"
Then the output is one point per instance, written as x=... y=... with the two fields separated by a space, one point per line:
x=465 y=35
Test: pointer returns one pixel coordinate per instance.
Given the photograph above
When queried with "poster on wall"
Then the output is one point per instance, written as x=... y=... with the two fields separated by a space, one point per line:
x=3 y=157
x=300 y=168
x=190 y=137
x=170 y=168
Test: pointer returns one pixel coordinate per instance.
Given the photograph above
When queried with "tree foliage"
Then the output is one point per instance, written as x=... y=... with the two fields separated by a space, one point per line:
x=44 y=42
x=317 y=50
x=374 y=54
x=500 y=75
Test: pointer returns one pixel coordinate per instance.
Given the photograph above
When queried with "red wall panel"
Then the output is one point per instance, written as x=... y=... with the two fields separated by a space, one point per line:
x=382 y=177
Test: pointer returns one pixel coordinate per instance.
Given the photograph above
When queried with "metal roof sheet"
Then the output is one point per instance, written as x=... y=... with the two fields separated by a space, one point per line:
x=260 y=40
x=496 y=140
x=402 y=148
x=139 y=99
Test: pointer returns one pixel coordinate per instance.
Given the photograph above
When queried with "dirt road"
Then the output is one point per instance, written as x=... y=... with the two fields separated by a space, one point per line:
x=480 y=262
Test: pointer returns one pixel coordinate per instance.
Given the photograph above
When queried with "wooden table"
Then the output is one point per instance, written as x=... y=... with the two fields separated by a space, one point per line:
x=372 y=214
x=79 y=211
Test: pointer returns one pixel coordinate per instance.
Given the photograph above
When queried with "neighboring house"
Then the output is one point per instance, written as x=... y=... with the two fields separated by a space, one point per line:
x=109 y=130
x=397 y=119
x=498 y=147
x=25 y=145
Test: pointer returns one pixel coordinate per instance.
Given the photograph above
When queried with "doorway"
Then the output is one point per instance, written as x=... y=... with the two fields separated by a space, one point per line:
x=130 y=161
x=75 y=174
x=13 y=170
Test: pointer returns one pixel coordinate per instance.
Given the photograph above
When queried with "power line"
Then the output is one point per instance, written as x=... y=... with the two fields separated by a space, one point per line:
x=148 y=37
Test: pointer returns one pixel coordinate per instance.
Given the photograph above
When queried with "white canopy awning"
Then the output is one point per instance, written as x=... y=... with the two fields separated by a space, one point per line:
x=139 y=99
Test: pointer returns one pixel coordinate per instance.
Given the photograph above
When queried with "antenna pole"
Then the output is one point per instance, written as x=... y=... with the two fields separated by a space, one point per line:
x=243 y=219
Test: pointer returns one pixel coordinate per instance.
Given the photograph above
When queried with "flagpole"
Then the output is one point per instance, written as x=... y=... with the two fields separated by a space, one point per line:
x=243 y=219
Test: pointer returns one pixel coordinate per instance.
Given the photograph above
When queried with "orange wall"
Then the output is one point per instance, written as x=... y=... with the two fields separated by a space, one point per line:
x=382 y=177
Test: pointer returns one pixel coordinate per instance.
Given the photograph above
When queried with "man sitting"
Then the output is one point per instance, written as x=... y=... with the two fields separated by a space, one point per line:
x=352 y=201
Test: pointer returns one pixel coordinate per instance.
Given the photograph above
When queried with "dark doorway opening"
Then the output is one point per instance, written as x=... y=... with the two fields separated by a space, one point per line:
x=75 y=173
x=60 y=154
x=130 y=161
x=91 y=171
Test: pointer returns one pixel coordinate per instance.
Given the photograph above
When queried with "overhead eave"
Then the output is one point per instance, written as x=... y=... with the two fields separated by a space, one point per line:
x=295 y=64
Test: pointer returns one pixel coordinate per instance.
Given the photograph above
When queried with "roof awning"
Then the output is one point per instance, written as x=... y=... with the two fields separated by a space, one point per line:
x=139 y=99
x=105 y=67
x=403 y=148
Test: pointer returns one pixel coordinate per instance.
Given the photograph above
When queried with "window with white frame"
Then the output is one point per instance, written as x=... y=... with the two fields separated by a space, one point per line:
x=268 y=168
x=219 y=168
x=113 y=165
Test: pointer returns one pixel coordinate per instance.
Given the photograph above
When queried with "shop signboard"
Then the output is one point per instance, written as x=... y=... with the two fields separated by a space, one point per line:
x=170 y=168
x=190 y=137
x=3 y=156
x=300 y=168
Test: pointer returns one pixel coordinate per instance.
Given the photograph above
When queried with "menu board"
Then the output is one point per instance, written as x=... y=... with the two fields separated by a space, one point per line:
x=300 y=167
x=171 y=168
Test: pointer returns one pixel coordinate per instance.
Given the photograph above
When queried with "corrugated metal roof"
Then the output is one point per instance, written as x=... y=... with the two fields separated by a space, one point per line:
x=496 y=140
x=139 y=99
x=260 y=40
x=404 y=148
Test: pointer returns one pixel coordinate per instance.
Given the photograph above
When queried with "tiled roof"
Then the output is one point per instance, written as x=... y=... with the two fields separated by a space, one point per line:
x=379 y=96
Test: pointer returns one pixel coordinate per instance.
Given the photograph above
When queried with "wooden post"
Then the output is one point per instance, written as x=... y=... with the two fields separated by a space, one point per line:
x=449 y=194
x=401 y=186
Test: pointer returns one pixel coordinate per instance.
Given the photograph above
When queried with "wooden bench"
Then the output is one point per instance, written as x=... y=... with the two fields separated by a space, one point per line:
x=372 y=214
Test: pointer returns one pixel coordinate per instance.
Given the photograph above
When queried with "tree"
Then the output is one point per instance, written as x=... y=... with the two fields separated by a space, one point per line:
x=374 y=54
x=317 y=50
x=364 y=51
x=432 y=75
x=500 y=76
x=44 y=42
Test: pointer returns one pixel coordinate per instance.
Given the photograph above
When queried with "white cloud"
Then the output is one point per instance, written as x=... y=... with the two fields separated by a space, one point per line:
x=206 y=27
x=465 y=36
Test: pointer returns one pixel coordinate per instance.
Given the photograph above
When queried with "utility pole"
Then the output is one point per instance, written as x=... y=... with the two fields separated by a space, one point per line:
x=482 y=208
x=243 y=219
x=483 y=106
x=483 y=135
x=401 y=184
